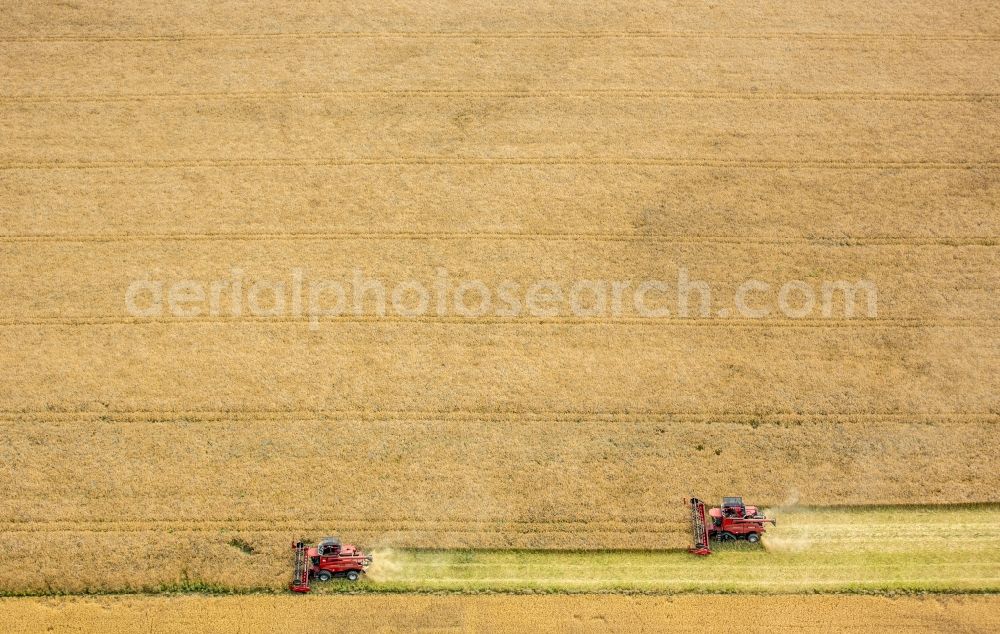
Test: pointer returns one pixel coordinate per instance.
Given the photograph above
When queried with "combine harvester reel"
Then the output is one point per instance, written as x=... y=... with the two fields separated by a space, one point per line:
x=727 y=523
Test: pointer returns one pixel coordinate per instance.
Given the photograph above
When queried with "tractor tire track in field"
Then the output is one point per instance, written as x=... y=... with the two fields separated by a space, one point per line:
x=305 y=415
x=837 y=241
x=586 y=35
x=639 y=93
x=109 y=320
x=767 y=164
x=366 y=527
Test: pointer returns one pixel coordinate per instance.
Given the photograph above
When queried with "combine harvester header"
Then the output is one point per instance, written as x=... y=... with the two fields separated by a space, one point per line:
x=699 y=529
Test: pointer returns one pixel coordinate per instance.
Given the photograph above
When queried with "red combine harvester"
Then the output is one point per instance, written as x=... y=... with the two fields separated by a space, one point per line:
x=327 y=560
x=733 y=520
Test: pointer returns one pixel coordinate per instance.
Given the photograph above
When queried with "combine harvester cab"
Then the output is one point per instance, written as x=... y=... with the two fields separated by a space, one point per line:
x=727 y=523
x=325 y=561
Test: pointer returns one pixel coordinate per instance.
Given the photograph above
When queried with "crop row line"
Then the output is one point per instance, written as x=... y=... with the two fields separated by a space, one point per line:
x=432 y=420
x=515 y=93
x=844 y=532
x=595 y=34
x=511 y=321
x=840 y=241
x=519 y=587
x=166 y=415
x=681 y=565
x=455 y=160
x=326 y=521
x=500 y=412
x=317 y=527
x=415 y=420
x=826 y=523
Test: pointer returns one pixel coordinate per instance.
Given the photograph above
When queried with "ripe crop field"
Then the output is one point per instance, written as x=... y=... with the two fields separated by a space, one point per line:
x=185 y=185
x=252 y=614
x=500 y=613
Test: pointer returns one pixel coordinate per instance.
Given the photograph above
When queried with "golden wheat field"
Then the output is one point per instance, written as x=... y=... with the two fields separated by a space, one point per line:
x=184 y=185
x=503 y=613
